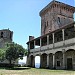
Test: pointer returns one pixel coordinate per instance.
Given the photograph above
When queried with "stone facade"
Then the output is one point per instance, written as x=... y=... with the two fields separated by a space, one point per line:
x=5 y=37
x=57 y=41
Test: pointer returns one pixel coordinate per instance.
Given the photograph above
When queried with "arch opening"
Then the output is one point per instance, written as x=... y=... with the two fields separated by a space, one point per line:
x=70 y=59
x=59 y=60
x=37 y=61
x=44 y=60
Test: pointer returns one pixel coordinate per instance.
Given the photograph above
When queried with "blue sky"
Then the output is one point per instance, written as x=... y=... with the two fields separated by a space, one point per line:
x=22 y=17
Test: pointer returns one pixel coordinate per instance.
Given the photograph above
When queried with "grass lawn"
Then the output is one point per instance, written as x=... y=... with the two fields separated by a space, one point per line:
x=34 y=71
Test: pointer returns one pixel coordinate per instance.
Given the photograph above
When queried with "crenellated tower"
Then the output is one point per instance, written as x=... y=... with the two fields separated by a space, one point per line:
x=5 y=37
x=56 y=15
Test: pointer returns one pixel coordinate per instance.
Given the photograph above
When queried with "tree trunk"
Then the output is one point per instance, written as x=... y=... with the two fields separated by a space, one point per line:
x=10 y=63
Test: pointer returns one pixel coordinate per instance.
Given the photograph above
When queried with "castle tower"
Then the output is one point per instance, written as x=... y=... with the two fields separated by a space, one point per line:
x=56 y=15
x=5 y=37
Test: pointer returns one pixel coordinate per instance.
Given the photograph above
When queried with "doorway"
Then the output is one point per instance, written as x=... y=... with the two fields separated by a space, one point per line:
x=69 y=63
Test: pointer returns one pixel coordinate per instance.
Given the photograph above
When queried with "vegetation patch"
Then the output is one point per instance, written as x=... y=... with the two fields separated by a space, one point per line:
x=33 y=71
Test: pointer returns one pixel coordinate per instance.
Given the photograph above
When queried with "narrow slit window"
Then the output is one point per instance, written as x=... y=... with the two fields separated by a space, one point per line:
x=47 y=23
x=59 y=19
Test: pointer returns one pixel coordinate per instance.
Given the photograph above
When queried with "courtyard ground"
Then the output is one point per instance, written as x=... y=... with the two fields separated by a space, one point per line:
x=34 y=71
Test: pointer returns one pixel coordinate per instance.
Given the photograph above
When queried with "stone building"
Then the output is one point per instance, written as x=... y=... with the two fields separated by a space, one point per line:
x=56 y=45
x=5 y=37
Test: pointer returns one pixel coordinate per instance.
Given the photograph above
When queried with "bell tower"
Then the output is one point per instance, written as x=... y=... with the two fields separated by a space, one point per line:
x=5 y=37
x=56 y=15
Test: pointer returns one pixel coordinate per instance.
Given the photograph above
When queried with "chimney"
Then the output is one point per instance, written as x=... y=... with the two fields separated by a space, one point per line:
x=31 y=38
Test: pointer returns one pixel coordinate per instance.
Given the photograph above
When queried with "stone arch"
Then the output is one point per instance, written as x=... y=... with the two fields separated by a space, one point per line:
x=70 y=56
x=43 y=60
x=59 y=60
x=50 y=60
x=37 y=55
x=70 y=50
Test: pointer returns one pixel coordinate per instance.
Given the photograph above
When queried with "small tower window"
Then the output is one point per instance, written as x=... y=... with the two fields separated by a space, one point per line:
x=45 y=23
x=59 y=19
x=1 y=34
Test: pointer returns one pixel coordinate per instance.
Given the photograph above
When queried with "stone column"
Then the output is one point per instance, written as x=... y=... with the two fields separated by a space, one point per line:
x=63 y=34
x=34 y=43
x=53 y=60
x=33 y=61
x=28 y=61
x=29 y=46
x=74 y=25
x=63 y=37
x=47 y=39
x=47 y=60
x=53 y=37
x=40 y=60
x=63 y=51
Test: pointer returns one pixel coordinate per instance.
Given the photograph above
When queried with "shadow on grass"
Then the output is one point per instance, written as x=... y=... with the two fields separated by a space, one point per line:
x=18 y=68
x=25 y=68
x=70 y=70
x=15 y=68
x=58 y=69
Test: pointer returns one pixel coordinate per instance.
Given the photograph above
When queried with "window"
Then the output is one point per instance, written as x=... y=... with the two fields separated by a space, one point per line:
x=47 y=23
x=59 y=19
x=1 y=34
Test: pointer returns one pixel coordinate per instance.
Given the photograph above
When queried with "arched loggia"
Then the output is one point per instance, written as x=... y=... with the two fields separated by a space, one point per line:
x=50 y=60
x=43 y=60
x=70 y=59
x=59 y=60
x=37 y=61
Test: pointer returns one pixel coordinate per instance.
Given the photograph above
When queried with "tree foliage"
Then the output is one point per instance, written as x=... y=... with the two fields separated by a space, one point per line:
x=14 y=51
x=2 y=54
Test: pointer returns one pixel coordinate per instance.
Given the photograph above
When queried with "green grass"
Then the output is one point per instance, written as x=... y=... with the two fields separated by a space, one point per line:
x=34 y=71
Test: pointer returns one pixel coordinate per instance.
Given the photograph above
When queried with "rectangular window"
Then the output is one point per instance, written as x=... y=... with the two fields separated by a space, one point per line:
x=58 y=63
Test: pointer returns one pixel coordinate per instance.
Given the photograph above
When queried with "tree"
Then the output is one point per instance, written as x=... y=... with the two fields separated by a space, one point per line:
x=2 y=54
x=14 y=51
x=26 y=52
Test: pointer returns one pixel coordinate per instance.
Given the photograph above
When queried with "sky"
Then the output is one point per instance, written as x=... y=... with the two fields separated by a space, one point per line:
x=22 y=61
x=22 y=17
